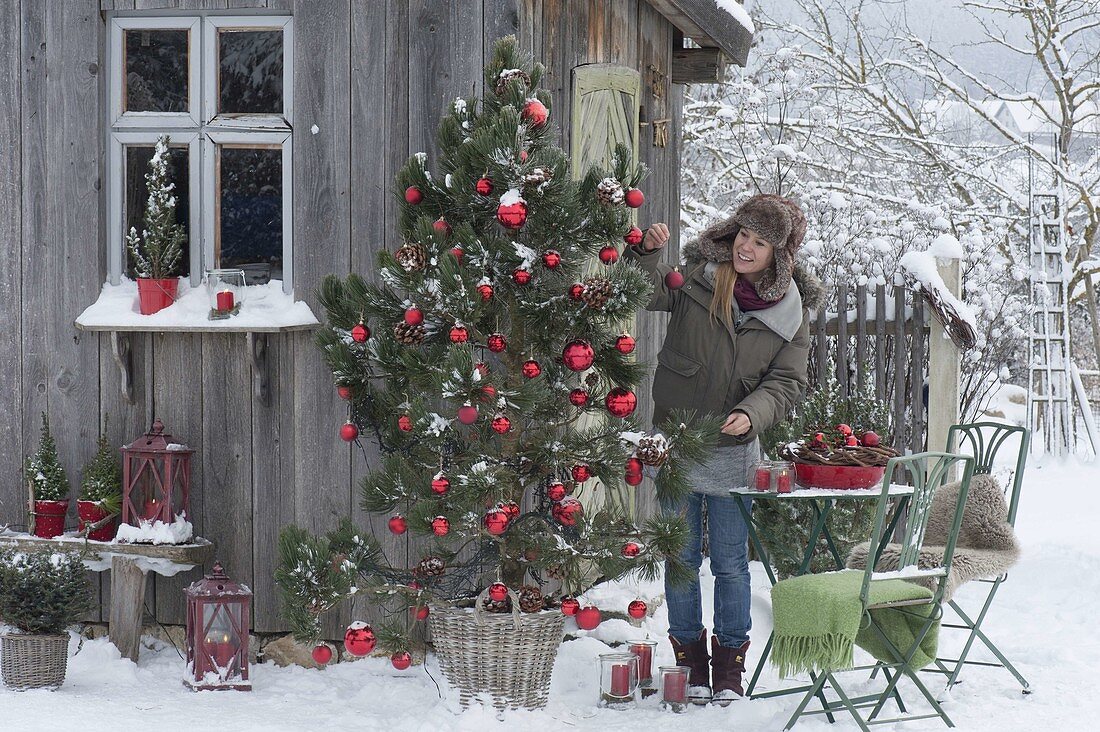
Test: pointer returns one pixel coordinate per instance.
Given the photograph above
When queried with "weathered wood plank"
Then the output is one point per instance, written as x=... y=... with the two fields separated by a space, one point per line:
x=599 y=34
x=398 y=145
x=281 y=6
x=194 y=553
x=709 y=25
x=622 y=33
x=124 y=4
x=861 y=337
x=842 y=338
x=698 y=66
x=156 y=4
x=880 y=343
x=899 y=369
x=916 y=373
x=127 y=606
x=502 y=18
x=822 y=347
x=247 y=4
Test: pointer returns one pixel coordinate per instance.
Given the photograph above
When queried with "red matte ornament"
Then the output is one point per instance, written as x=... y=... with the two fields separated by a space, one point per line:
x=621 y=402
x=576 y=290
x=581 y=472
x=609 y=254
x=440 y=484
x=512 y=215
x=405 y=423
x=633 y=479
x=625 y=343
x=359 y=639
x=360 y=333
x=674 y=280
x=467 y=414
x=459 y=334
x=578 y=355
x=496 y=522
x=535 y=113
x=348 y=432
x=486 y=292
x=631 y=549
x=634 y=465
x=588 y=618
x=441 y=226
x=457 y=252
x=413 y=195
x=521 y=276
x=344 y=392
x=870 y=439
x=531 y=368
x=634 y=198
x=488 y=392
x=578 y=397
x=484 y=186
x=440 y=526
x=421 y=612
x=569 y=606
x=633 y=236
x=497 y=343
x=401 y=660
x=844 y=429
x=398 y=525
x=636 y=609
x=501 y=424
x=322 y=654
x=567 y=512
x=851 y=441
x=555 y=491
x=498 y=592
x=414 y=316
x=551 y=259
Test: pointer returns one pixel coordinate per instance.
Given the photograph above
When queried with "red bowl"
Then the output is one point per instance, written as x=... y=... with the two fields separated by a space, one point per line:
x=837 y=477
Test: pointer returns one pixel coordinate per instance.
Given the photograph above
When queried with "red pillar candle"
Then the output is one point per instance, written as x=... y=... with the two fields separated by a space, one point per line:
x=783 y=481
x=620 y=680
x=225 y=300
x=644 y=652
x=763 y=478
x=152 y=509
x=675 y=686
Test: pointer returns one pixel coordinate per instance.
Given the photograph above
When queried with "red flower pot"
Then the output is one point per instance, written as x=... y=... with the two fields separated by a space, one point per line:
x=49 y=520
x=837 y=477
x=155 y=295
x=91 y=512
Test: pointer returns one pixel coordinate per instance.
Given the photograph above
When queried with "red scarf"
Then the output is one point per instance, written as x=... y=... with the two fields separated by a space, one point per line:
x=747 y=298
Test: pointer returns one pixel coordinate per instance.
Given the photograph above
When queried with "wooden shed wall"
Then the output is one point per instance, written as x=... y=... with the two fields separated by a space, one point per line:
x=374 y=76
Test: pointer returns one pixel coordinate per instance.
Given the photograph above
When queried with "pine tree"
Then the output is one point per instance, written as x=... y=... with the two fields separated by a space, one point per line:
x=156 y=253
x=43 y=592
x=103 y=476
x=44 y=470
x=464 y=383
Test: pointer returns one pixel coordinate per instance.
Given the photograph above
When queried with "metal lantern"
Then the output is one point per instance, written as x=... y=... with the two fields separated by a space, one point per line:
x=217 y=633
x=156 y=478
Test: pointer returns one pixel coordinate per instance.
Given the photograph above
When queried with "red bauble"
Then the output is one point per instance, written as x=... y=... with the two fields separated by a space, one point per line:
x=414 y=315
x=498 y=592
x=609 y=254
x=398 y=525
x=819 y=437
x=488 y=392
x=413 y=195
x=674 y=280
x=344 y=392
x=588 y=618
x=405 y=423
x=440 y=484
x=512 y=215
x=484 y=186
x=844 y=429
x=441 y=226
x=360 y=333
x=631 y=549
x=420 y=612
x=551 y=259
x=501 y=424
x=535 y=113
x=633 y=466
x=459 y=334
x=457 y=252
x=486 y=292
x=625 y=343
x=523 y=156
x=521 y=276
x=359 y=639
x=440 y=526
x=871 y=439
x=851 y=441
x=578 y=355
x=401 y=660
x=348 y=432
x=636 y=609
x=581 y=472
x=555 y=491
x=497 y=343
x=322 y=654
x=633 y=479
x=567 y=512
x=467 y=414
x=578 y=397
x=634 y=236
x=576 y=290
x=496 y=522
x=621 y=402
x=569 y=606
x=414 y=585
x=482 y=368
x=511 y=508
x=634 y=198
x=531 y=368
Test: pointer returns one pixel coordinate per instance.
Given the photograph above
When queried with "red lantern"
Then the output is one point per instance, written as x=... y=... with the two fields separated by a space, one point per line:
x=631 y=550
x=486 y=292
x=217 y=633
x=501 y=424
x=459 y=334
x=609 y=255
x=625 y=343
x=581 y=472
x=551 y=259
x=521 y=276
x=440 y=484
x=440 y=526
x=360 y=333
x=535 y=112
x=578 y=397
x=348 y=432
x=570 y=606
x=441 y=226
x=156 y=478
x=497 y=343
x=405 y=423
x=634 y=198
x=496 y=522
x=484 y=186
x=621 y=402
x=576 y=290
x=467 y=414
x=674 y=280
x=398 y=525
x=498 y=592
x=588 y=618
x=359 y=639
x=531 y=368
x=578 y=355
x=512 y=215
x=636 y=609
x=414 y=316
x=413 y=195
x=633 y=236
x=555 y=491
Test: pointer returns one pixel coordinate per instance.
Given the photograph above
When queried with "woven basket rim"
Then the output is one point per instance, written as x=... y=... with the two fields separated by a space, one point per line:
x=43 y=636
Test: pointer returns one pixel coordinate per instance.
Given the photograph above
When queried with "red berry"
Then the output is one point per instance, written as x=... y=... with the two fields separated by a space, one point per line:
x=398 y=524
x=609 y=255
x=635 y=198
x=413 y=195
x=498 y=592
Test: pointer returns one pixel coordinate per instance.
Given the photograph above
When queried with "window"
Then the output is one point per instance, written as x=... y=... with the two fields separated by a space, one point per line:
x=220 y=88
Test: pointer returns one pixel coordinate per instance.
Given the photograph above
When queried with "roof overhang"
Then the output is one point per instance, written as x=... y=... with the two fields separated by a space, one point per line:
x=708 y=25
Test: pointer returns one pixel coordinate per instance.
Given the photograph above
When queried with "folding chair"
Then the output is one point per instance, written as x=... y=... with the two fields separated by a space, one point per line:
x=984 y=439
x=888 y=592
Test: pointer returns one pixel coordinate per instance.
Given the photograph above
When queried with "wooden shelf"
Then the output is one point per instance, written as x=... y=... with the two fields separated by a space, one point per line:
x=198 y=328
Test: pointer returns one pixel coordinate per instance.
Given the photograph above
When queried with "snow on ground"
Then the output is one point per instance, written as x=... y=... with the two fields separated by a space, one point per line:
x=1042 y=619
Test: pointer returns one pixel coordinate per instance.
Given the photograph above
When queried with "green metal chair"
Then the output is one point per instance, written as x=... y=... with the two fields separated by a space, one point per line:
x=984 y=439
x=927 y=471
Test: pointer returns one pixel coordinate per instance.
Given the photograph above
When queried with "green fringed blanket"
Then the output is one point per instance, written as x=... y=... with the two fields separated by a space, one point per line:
x=818 y=621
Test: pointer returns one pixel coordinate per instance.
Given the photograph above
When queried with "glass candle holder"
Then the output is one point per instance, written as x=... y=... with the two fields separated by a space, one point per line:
x=225 y=288
x=674 y=685
x=618 y=679
x=645 y=650
x=760 y=475
x=782 y=476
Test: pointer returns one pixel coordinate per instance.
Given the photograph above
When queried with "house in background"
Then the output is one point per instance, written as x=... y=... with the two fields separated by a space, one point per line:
x=288 y=120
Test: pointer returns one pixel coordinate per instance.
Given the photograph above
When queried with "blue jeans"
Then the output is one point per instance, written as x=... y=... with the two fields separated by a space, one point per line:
x=728 y=540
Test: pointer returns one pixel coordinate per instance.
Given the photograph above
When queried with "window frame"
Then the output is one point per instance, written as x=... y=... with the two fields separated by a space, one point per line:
x=200 y=129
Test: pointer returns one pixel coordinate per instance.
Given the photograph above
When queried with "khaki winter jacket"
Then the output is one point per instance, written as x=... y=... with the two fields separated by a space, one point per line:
x=758 y=366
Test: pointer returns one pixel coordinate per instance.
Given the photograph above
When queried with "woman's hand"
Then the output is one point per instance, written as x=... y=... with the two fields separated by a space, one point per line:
x=656 y=237
x=738 y=423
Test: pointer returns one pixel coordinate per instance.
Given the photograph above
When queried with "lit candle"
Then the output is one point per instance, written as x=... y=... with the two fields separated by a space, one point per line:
x=152 y=509
x=223 y=650
x=225 y=300
x=620 y=680
x=644 y=652
x=783 y=480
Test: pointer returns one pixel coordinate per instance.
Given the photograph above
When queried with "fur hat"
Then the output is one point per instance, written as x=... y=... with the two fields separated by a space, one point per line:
x=777 y=219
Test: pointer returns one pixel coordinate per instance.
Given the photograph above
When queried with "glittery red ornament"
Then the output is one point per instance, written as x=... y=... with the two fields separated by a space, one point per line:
x=633 y=479
x=674 y=280
x=398 y=525
x=414 y=315
x=511 y=508
x=360 y=333
x=581 y=472
x=578 y=355
x=496 y=522
x=512 y=215
x=631 y=549
x=459 y=334
x=440 y=526
x=576 y=290
x=322 y=654
x=531 y=368
x=578 y=397
x=498 y=592
x=588 y=618
x=636 y=609
x=870 y=439
x=441 y=226
x=405 y=423
x=634 y=465
x=486 y=292
x=484 y=186
x=501 y=424
x=344 y=392
x=569 y=606
x=348 y=432
x=521 y=276
x=609 y=254
x=567 y=512
x=421 y=612
x=401 y=660
x=851 y=441
x=844 y=429
x=621 y=402
x=634 y=198
x=625 y=343
x=551 y=259
x=555 y=491
x=413 y=195
x=440 y=484
x=467 y=414
x=497 y=342
x=359 y=639
x=633 y=236
x=535 y=113
x=457 y=252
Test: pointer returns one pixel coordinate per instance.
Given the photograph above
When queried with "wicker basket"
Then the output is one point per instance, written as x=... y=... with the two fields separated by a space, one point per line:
x=508 y=656
x=33 y=661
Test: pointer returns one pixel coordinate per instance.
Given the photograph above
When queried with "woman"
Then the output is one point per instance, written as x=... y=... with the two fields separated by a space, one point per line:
x=737 y=345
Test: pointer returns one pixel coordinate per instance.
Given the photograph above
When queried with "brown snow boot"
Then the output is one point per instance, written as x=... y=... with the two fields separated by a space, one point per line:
x=727 y=666
x=694 y=656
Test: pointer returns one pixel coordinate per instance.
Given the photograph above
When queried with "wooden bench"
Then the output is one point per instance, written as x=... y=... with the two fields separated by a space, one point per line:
x=129 y=564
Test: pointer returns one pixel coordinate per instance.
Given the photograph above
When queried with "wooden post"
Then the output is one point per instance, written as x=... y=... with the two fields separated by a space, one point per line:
x=943 y=367
x=127 y=605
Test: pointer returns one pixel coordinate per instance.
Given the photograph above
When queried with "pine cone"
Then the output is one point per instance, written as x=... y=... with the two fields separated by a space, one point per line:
x=530 y=599
x=411 y=257
x=409 y=335
x=509 y=74
x=536 y=177
x=609 y=192
x=556 y=572
x=490 y=605
x=597 y=291
x=430 y=567
x=592 y=380
x=652 y=451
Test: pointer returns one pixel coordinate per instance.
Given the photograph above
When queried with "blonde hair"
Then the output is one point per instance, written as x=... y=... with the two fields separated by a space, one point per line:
x=721 y=305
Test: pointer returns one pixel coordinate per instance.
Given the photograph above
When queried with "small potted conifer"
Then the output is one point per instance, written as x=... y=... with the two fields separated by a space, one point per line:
x=156 y=253
x=41 y=594
x=49 y=486
x=100 y=500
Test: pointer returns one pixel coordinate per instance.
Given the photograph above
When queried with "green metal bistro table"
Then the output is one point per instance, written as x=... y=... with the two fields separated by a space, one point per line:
x=822 y=500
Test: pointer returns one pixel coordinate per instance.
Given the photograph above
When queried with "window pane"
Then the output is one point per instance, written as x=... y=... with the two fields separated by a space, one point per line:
x=137 y=193
x=250 y=202
x=156 y=71
x=251 y=71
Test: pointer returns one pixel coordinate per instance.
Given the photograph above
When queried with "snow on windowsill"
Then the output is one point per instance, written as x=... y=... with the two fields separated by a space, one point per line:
x=264 y=308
